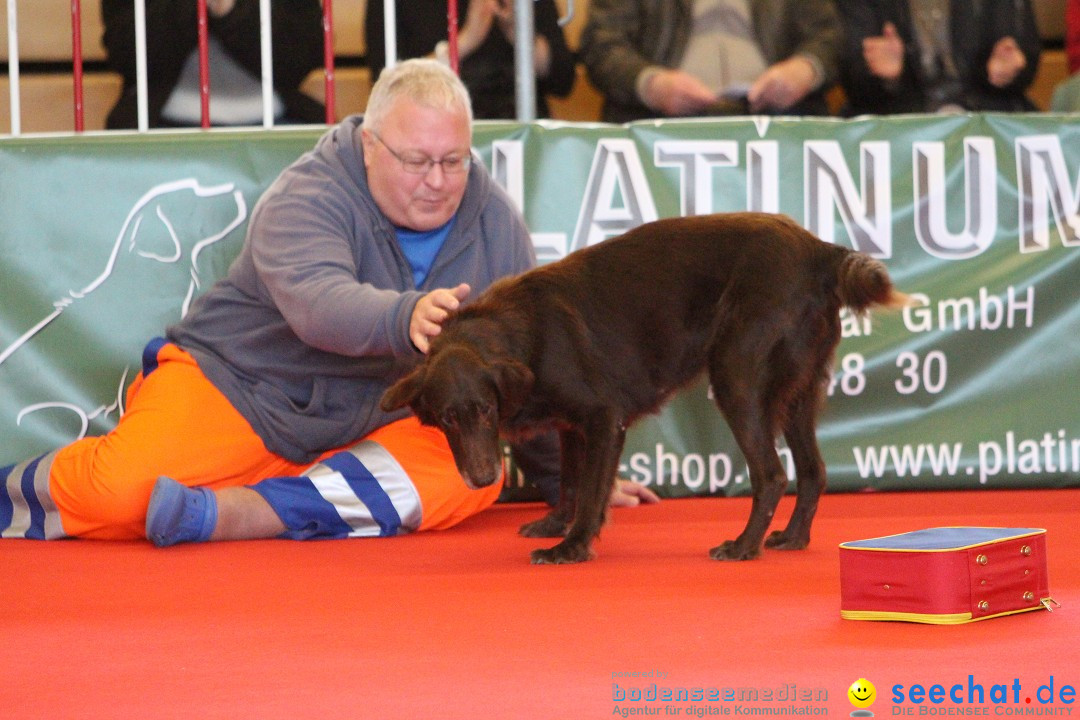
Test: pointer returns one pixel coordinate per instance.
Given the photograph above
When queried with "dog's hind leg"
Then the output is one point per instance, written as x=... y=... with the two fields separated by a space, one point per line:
x=740 y=389
x=594 y=452
x=768 y=481
x=809 y=472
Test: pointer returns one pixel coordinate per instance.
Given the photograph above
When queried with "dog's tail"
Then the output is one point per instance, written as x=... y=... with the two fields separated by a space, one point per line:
x=862 y=282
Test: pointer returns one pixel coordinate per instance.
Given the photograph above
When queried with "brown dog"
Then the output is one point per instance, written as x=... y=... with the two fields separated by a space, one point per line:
x=588 y=344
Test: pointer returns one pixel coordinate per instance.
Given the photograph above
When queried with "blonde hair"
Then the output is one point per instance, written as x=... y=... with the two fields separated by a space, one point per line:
x=425 y=81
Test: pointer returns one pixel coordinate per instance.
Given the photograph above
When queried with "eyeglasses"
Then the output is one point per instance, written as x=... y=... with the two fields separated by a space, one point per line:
x=422 y=164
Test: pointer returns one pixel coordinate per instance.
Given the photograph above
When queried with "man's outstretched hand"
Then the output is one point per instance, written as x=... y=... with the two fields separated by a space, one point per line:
x=431 y=311
x=628 y=493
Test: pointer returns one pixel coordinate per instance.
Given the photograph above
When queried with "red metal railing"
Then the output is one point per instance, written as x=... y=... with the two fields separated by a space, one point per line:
x=77 y=62
x=328 y=60
x=204 y=63
x=451 y=32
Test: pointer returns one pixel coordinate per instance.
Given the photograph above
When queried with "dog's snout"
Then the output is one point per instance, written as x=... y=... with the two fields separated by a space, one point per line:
x=476 y=480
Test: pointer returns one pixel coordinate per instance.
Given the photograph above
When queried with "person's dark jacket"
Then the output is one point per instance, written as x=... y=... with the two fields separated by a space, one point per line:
x=623 y=37
x=975 y=25
x=172 y=35
x=489 y=72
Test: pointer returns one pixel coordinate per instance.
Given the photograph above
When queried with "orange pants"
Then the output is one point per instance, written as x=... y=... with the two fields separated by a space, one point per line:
x=178 y=424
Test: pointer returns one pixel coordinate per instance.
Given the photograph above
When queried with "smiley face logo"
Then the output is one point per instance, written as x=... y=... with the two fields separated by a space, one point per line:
x=862 y=693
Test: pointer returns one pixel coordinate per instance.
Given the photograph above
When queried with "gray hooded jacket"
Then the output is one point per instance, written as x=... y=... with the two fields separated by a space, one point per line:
x=311 y=324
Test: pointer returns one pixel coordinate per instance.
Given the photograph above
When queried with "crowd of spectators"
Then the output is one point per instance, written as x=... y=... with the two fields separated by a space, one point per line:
x=646 y=58
x=670 y=58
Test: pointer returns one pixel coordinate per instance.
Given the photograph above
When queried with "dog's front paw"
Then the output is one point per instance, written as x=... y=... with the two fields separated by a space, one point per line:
x=731 y=550
x=549 y=526
x=781 y=540
x=562 y=554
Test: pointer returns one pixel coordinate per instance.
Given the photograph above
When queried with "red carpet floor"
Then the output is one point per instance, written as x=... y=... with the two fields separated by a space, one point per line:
x=459 y=625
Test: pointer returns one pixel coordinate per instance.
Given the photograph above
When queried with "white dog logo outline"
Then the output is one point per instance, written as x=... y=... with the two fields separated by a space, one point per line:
x=130 y=230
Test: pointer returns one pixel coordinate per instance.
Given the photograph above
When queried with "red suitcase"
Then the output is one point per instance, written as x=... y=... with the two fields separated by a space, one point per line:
x=945 y=575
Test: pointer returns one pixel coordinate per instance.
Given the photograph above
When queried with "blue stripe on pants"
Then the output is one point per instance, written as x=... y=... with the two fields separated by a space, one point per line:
x=306 y=505
x=306 y=514
x=22 y=513
x=150 y=353
x=6 y=506
x=36 y=530
x=368 y=489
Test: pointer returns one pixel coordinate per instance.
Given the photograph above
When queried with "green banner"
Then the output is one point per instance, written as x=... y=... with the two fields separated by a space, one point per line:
x=105 y=239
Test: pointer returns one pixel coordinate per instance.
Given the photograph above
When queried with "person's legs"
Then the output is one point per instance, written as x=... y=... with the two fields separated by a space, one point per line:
x=424 y=455
x=26 y=510
x=244 y=514
x=398 y=479
x=176 y=424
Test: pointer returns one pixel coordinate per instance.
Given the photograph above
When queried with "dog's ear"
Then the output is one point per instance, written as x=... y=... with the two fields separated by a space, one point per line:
x=404 y=391
x=515 y=382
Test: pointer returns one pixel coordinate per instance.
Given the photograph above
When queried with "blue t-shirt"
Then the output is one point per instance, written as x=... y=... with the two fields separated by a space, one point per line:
x=420 y=248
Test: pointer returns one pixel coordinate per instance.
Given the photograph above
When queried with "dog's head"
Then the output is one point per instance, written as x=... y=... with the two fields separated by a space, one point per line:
x=467 y=397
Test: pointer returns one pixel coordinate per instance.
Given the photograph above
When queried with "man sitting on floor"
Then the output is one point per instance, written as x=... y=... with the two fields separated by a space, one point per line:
x=257 y=415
